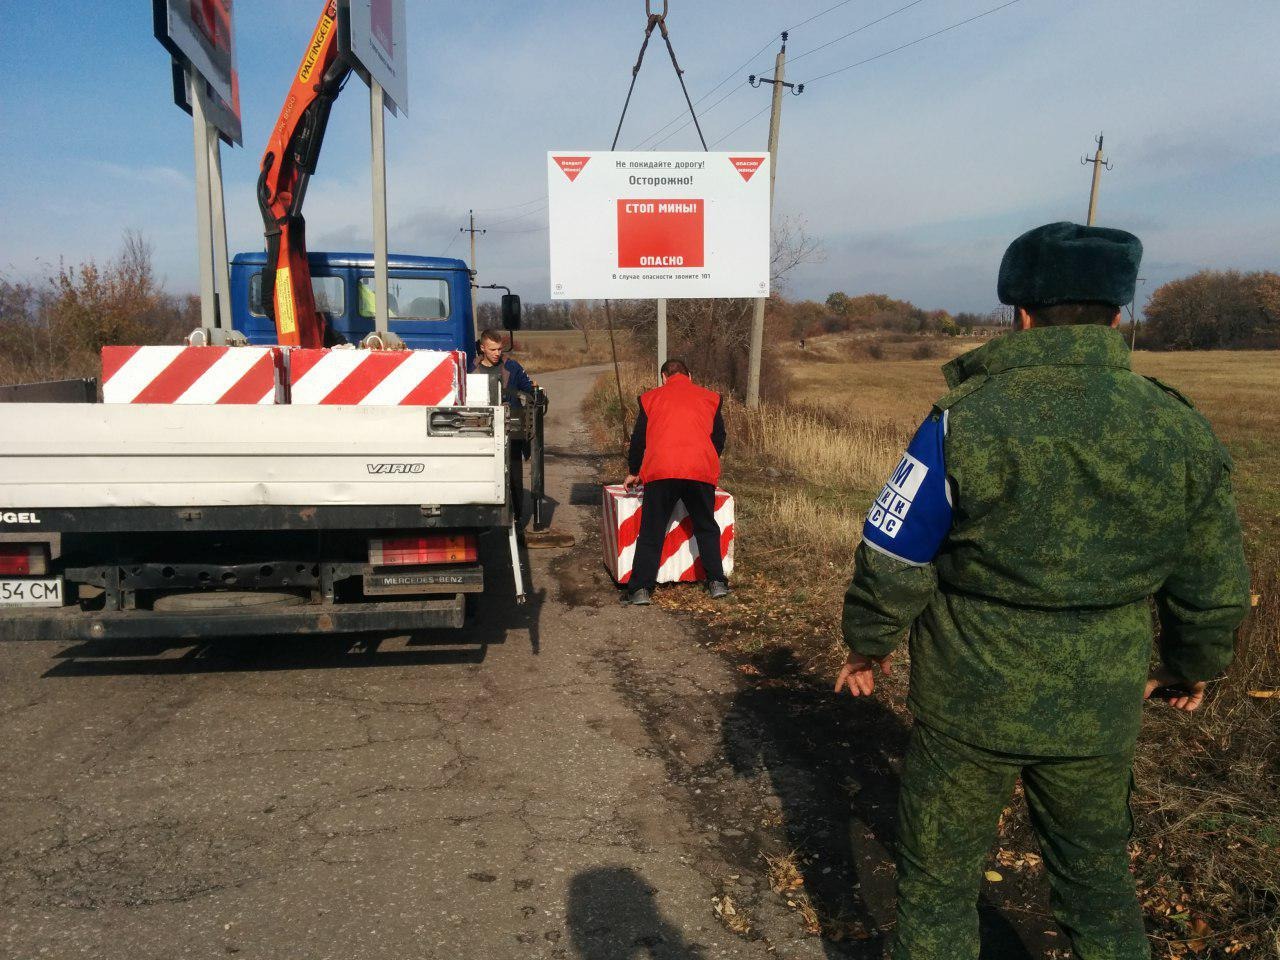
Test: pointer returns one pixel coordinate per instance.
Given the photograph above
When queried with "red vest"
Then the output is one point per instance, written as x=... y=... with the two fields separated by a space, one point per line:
x=677 y=444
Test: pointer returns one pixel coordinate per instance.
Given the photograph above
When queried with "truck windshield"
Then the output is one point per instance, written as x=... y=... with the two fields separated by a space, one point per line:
x=330 y=294
x=409 y=298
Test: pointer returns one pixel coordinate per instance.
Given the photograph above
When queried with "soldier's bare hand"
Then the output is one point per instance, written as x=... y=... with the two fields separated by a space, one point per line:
x=630 y=482
x=858 y=673
x=1163 y=678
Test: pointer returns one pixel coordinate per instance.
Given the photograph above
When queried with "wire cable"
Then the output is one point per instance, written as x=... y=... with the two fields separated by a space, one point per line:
x=742 y=66
x=737 y=89
x=912 y=43
x=511 y=206
x=519 y=216
x=865 y=26
x=761 y=113
x=817 y=15
x=746 y=63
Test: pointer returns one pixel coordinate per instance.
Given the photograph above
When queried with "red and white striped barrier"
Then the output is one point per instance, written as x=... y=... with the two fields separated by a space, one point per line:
x=373 y=378
x=680 y=562
x=201 y=375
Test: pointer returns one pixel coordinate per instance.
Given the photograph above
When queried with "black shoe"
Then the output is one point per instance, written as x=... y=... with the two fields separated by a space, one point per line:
x=717 y=589
x=638 y=598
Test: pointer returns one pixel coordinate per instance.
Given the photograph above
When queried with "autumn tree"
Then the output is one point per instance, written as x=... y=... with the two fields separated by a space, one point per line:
x=1215 y=309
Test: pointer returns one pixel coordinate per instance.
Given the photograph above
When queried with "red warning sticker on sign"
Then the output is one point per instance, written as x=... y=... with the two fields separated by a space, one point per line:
x=572 y=166
x=747 y=166
x=661 y=233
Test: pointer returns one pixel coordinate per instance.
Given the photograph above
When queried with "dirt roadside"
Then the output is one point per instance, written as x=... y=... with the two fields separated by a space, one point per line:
x=576 y=779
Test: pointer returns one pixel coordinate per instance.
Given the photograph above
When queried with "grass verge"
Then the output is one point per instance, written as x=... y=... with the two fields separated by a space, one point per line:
x=1206 y=850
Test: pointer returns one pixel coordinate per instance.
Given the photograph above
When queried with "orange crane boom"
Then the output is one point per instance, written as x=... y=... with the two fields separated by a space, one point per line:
x=287 y=165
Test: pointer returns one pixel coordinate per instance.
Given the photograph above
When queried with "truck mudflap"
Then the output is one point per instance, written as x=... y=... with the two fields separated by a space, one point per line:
x=72 y=623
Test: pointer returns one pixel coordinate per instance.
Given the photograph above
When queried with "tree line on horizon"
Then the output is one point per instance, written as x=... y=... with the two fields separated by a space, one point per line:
x=55 y=326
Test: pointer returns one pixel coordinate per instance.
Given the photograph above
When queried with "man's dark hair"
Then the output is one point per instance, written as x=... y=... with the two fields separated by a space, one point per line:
x=1066 y=314
x=672 y=367
x=493 y=336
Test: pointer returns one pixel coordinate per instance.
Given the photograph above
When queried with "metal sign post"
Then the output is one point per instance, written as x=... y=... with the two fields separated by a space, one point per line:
x=218 y=214
x=379 y=145
x=204 y=213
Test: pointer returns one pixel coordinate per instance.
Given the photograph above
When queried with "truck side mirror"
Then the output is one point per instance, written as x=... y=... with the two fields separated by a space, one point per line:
x=510 y=312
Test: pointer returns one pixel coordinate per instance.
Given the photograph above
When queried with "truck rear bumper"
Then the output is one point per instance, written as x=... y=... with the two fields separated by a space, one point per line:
x=70 y=623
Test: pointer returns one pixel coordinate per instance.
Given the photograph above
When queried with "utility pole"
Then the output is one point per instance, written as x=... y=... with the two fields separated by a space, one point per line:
x=1098 y=164
x=473 y=231
x=775 y=122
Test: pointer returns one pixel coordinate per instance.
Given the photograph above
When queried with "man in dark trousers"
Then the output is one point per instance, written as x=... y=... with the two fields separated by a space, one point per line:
x=512 y=380
x=675 y=453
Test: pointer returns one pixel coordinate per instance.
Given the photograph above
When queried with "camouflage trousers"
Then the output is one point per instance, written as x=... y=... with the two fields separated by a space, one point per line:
x=950 y=805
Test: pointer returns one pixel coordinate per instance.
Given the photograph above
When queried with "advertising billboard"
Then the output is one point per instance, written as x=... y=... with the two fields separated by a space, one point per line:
x=378 y=42
x=201 y=32
x=225 y=117
x=648 y=225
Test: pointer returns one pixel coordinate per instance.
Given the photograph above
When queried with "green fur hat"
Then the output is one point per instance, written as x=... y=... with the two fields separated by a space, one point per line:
x=1069 y=263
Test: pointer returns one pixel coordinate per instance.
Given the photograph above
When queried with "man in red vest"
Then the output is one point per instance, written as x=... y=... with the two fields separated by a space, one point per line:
x=675 y=453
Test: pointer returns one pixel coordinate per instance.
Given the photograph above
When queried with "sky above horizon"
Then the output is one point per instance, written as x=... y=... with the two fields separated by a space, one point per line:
x=913 y=170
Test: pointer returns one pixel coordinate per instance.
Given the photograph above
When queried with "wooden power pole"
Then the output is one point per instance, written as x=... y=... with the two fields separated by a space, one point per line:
x=1098 y=163
x=473 y=231
x=775 y=123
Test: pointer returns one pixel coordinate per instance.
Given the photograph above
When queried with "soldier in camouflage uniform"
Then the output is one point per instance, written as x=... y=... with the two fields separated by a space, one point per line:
x=1044 y=502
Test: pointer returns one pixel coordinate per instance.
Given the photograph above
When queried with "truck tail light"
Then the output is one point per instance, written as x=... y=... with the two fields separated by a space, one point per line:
x=24 y=558
x=425 y=549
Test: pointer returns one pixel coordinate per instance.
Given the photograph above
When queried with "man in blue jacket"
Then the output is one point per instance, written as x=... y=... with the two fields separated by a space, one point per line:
x=512 y=380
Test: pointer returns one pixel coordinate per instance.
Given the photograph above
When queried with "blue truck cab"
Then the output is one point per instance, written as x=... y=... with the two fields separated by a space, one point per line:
x=429 y=299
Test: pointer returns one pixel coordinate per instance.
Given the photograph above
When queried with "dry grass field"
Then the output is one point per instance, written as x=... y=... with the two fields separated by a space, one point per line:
x=1207 y=846
x=540 y=351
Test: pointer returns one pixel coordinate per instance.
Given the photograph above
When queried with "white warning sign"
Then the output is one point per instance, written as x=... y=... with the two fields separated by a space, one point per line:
x=647 y=225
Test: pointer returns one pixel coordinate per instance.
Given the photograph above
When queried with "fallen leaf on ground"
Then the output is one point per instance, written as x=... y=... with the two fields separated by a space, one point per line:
x=993 y=876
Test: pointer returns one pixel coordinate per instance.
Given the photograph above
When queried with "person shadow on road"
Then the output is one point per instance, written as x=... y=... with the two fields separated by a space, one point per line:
x=612 y=916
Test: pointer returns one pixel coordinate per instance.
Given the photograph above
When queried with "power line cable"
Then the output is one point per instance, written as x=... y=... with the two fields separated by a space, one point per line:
x=737 y=70
x=817 y=15
x=878 y=56
x=865 y=26
x=511 y=206
x=509 y=233
x=658 y=143
x=520 y=216
x=743 y=124
x=912 y=43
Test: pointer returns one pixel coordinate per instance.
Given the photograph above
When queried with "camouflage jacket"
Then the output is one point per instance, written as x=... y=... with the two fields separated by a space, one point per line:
x=1065 y=492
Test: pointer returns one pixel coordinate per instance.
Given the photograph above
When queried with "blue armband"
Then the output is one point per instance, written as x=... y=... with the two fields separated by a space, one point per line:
x=912 y=515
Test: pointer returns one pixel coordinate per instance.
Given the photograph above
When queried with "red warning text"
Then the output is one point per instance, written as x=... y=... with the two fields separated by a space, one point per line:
x=661 y=233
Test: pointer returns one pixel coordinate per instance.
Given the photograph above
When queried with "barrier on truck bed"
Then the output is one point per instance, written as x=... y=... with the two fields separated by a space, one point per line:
x=279 y=375
x=388 y=378
x=199 y=375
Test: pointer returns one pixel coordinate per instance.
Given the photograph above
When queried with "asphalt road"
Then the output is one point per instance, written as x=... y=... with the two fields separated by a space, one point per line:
x=555 y=783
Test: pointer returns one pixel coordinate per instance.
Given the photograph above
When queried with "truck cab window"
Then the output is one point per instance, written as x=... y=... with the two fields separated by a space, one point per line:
x=415 y=298
x=330 y=294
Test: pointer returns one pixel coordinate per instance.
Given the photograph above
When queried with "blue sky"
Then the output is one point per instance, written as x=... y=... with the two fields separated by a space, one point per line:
x=913 y=170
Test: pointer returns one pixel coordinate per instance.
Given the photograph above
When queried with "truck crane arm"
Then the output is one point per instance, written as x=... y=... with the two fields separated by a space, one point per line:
x=287 y=165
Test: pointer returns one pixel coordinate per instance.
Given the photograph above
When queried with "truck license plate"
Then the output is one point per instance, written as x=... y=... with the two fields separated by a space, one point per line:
x=31 y=593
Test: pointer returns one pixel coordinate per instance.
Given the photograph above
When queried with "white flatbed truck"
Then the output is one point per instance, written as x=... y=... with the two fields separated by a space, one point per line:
x=184 y=522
